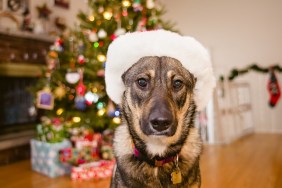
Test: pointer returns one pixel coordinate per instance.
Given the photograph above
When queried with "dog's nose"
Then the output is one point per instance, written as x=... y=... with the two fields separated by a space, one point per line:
x=160 y=120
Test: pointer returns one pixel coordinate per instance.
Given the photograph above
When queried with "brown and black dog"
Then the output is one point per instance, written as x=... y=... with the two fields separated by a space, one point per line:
x=157 y=138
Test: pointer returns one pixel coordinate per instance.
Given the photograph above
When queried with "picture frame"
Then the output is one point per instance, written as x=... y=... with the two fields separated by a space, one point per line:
x=45 y=100
x=14 y=6
x=62 y=3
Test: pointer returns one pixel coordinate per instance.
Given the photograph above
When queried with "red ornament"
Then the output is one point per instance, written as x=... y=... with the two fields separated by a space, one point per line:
x=81 y=59
x=101 y=73
x=113 y=37
x=80 y=89
x=56 y=121
x=59 y=42
x=124 y=13
x=101 y=43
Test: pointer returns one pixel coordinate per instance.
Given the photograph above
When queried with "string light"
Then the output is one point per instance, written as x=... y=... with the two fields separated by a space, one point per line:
x=96 y=44
x=101 y=112
x=76 y=119
x=107 y=15
x=59 y=111
x=101 y=58
x=116 y=120
x=100 y=105
x=126 y=3
x=91 y=18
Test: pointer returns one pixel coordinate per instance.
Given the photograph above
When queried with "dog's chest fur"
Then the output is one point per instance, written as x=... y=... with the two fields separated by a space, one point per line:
x=132 y=172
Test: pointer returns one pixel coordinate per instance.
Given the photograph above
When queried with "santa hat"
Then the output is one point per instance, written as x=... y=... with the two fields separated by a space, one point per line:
x=129 y=48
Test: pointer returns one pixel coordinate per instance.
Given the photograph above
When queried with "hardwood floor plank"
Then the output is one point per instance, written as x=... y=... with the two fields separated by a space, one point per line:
x=254 y=161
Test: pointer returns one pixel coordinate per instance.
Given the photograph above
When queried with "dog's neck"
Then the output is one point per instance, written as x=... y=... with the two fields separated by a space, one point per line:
x=156 y=161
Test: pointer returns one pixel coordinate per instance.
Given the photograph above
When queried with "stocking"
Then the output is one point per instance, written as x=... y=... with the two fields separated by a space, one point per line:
x=273 y=89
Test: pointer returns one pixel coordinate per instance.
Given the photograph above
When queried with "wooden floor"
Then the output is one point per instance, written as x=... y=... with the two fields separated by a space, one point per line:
x=252 y=162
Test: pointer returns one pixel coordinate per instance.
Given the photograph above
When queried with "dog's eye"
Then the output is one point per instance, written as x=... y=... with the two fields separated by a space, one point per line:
x=177 y=84
x=142 y=82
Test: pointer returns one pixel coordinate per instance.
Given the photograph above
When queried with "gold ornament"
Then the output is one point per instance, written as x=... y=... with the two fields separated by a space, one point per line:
x=60 y=92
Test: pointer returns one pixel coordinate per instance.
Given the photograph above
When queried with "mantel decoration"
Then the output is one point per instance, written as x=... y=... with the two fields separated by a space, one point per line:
x=273 y=86
x=254 y=67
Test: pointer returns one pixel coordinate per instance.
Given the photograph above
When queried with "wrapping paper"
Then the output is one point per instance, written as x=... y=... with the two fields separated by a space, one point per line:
x=94 y=170
x=45 y=158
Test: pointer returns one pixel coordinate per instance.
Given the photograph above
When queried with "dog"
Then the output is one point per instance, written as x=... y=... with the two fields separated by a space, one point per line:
x=157 y=144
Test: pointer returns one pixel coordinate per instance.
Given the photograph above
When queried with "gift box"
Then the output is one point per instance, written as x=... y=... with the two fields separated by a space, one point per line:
x=94 y=170
x=76 y=156
x=91 y=141
x=45 y=158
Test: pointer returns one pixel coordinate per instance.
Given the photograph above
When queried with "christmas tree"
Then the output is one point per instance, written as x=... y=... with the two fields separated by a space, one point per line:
x=73 y=88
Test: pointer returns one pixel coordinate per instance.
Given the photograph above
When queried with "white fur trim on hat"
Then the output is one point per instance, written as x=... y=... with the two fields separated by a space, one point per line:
x=129 y=48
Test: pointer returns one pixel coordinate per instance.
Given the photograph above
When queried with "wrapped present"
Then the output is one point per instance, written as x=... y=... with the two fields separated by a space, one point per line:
x=94 y=170
x=76 y=156
x=91 y=141
x=51 y=131
x=45 y=158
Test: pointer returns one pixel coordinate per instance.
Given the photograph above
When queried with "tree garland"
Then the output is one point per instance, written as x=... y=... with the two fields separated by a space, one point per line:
x=237 y=72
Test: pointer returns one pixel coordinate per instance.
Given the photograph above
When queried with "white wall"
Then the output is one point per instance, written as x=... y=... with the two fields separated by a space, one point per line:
x=237 y=33
x=69 y=14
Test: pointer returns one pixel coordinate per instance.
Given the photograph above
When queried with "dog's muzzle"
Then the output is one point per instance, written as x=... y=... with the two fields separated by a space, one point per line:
x=161 y=120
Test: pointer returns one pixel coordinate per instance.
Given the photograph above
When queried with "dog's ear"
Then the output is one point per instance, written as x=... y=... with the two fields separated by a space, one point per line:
x=195 y=80
x=123 y=77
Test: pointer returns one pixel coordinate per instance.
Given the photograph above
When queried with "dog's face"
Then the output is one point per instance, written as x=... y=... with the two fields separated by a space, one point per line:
x=157 y=99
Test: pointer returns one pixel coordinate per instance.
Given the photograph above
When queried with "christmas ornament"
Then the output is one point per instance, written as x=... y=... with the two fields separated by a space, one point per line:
x=45 y=99
x=101 y=43
x=43 y=11
x=150 y=4
x=102 y=34
x=93 y=36
x=91 y=97
x=72 y=77
x=101 y=9
x=80 y=88
x=79 y=102
x=53 y=54
x=141 y=26
x=113 y=37
x=32 y=111
x=81 y=59
x=124 y=12
x=120 y=31
x=58 y=45
x=101 y=73
x=273 y=89
x=51 y=63
x=137 y=7
x=60 y=92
